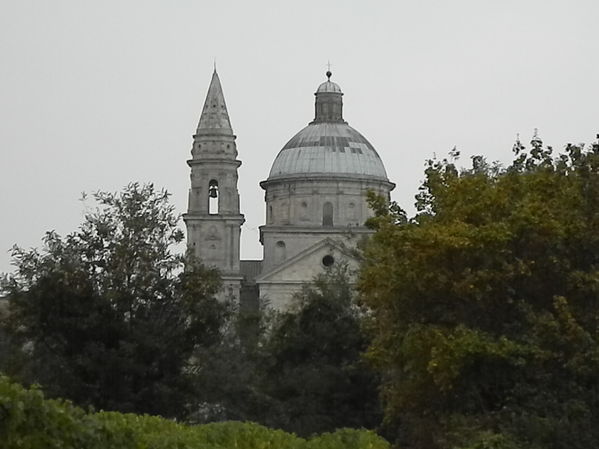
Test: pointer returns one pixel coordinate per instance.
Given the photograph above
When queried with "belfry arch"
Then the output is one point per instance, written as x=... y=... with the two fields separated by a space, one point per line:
x=213 y=197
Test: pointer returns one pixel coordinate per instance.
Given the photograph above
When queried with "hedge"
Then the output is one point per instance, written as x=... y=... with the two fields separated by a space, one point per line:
x=29 y=421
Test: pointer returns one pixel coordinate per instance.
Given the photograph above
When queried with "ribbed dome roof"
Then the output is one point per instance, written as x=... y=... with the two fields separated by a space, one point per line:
x=329 y=86
x=328 y=149
x=328 y=146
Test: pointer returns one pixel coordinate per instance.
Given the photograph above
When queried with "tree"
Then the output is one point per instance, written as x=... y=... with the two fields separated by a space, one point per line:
x=107 y=315
x=486 y=304
x=303 y=372
x=314 y=370
x=229 y=375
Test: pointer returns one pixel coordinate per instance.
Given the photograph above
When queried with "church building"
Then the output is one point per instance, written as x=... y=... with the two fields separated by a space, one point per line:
x=315 y=200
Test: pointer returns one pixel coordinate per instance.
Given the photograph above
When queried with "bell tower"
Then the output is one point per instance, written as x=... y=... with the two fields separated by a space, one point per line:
x=213 y=219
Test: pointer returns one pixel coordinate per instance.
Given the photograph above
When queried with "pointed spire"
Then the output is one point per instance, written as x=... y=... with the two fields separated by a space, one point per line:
x=215 y=117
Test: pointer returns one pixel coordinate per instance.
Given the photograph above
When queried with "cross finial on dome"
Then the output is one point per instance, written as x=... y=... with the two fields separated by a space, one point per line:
x=329 y=73
x=329 y=105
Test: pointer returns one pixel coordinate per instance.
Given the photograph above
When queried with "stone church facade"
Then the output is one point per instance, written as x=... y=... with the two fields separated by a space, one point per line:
x=315 y=200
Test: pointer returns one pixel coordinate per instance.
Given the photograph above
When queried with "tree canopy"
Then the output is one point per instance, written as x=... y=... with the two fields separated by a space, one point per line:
x=304 y=371
x=314 y=369
x=108 y=315
x=486 y=304
x=111 y=317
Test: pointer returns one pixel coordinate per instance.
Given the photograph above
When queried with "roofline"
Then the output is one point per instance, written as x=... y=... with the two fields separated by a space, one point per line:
x=212 y=133
x=325 y=176
x=328 y=241
x=213 y=160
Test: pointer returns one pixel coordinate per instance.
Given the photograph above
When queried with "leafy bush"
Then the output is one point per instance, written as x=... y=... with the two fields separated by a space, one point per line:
x=109 y=301
x=484 y=304
x=29 y=421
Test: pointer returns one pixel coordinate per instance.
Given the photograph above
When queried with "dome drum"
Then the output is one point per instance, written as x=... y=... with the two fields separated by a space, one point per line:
x=301 y=203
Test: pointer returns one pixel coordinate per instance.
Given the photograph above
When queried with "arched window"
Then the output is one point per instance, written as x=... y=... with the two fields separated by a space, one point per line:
x=327 y=214
x=304 y=211
x=284 y=208
x=280 y=251
x=213 y=197
x=351 y=211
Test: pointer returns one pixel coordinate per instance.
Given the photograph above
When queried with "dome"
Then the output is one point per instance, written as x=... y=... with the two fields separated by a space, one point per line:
x=328 y=146
x=330 y=87
x=328 y=149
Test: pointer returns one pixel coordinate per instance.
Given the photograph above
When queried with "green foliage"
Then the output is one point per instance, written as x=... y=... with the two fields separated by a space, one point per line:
x=490 y=440
x=229 y=374
x=107 y=315
x=347 y=439
x=314 y=372
x=28 y=421
x=486 y=322
x=303 y=372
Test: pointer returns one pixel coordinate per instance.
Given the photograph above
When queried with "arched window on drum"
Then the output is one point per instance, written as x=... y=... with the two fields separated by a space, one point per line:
x=327 y=214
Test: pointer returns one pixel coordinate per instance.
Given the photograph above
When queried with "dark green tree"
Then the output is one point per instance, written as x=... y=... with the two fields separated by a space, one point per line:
x=229 y=374
x=107 y=316
x=301 y=370
x=486 y=304
x=314 y=372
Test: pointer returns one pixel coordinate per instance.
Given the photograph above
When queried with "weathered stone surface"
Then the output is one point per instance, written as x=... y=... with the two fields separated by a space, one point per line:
x=213 y=217
x=315 y=199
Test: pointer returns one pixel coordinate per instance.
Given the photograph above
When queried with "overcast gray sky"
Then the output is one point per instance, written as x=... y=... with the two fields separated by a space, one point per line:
x=95 y=94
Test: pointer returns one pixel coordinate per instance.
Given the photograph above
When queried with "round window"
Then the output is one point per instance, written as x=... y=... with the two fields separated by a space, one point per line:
x=328 y=260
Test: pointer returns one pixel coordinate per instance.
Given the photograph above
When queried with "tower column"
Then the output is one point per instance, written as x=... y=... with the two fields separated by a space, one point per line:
x=213 y=219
